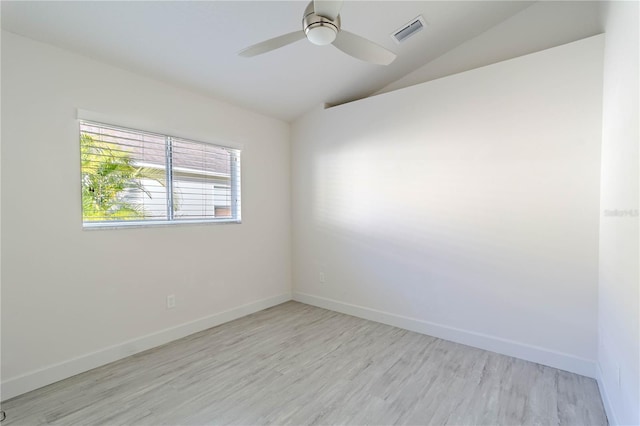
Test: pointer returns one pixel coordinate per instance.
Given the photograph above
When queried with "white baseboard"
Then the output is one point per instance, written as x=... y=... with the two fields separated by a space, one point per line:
x=33 y=380
x=606 y=400
x=512 y=348
x=36 y=379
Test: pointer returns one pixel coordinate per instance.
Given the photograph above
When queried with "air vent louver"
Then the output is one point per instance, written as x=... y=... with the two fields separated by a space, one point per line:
x=408 y=30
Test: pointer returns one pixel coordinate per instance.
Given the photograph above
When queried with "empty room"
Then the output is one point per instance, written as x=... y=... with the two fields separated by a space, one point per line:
x=320 y=213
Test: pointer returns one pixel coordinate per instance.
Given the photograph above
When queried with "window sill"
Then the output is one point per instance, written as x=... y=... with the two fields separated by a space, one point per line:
x=91 y=226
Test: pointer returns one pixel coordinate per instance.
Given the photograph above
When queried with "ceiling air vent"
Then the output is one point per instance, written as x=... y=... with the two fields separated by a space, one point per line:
x=408 y=29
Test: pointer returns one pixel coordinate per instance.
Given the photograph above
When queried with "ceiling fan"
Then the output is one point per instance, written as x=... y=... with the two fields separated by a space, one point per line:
x=321 y=26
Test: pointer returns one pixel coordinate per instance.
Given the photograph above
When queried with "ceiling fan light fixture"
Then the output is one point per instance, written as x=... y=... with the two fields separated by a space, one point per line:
x=319 y=30
x=321 y=34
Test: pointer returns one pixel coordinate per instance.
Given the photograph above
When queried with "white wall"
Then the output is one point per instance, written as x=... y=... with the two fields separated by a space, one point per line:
x=72 y=299
x=543 y=25
x=466 y=207
x=619 y=297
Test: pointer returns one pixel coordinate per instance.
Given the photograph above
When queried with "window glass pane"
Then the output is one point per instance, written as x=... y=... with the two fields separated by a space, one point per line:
x=201 y=180
x=123 y=174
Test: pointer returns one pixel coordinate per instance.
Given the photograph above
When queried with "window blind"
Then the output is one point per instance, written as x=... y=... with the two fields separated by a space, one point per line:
x=137 y=177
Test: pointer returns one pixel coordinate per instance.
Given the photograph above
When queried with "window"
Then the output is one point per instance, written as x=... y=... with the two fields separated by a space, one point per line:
x=131 y=177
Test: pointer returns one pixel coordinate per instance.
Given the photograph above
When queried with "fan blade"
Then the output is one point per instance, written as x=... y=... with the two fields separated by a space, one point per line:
x=363 y=49
x=327 y=8
x=271 y=44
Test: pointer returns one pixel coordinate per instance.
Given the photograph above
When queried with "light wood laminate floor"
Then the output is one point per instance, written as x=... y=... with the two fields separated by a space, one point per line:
x=297 y=364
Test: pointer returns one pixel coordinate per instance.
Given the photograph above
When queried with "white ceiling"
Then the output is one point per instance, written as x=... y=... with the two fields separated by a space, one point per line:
x=193 y=44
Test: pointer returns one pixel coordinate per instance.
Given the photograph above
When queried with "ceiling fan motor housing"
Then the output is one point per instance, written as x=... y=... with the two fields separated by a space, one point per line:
x=319 y=29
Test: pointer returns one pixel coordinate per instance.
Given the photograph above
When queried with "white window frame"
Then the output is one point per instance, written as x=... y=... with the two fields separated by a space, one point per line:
x=235 y=179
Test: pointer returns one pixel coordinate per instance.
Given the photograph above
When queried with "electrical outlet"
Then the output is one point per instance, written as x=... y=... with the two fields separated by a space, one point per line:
x=619 y=383
x=171 y=301
x=321 y=277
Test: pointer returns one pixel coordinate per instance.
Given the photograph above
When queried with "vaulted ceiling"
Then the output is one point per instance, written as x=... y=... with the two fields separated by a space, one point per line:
x=194 y=44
